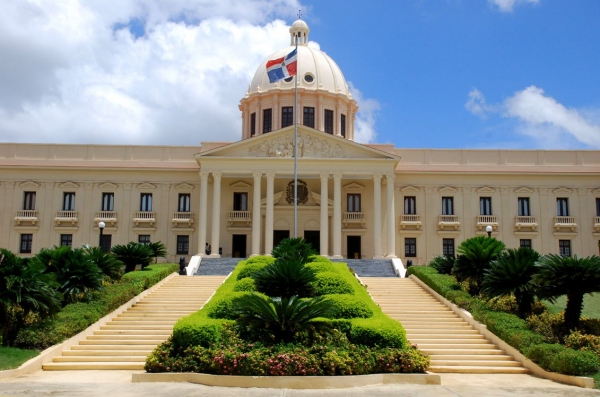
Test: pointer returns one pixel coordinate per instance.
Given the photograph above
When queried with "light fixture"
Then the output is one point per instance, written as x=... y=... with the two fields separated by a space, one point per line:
x=489 y=230
x=101 y=226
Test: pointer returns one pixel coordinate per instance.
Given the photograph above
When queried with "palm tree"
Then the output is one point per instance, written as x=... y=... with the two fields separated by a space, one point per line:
x=24 y=289
x=133 y=254
x=474 y=257
x=284 y=317
x=106 y=261
x=286 y=277
x=296 y=248
x=443 y=264
x=511 y=273
x=158 y=250
x=570 y=276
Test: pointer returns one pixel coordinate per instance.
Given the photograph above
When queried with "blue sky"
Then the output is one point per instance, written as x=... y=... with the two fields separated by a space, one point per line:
x=427 y=73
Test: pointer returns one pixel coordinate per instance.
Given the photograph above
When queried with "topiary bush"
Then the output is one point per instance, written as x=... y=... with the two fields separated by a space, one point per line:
x=575 y=362
x=348 y=306
x=259 y=259
x=285 y=278
x=327 y=283
x=245 y=285
x=250 y=269
x=443 y=264
x=223 y=307
x=378 y=332
x=320 y=267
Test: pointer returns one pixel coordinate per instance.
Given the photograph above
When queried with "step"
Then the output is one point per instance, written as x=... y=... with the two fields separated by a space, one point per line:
x=474 y=363
x=139 y=322
x=473 y=357
x=134 y=332
x=447 y=346
x=86 y=359
x=478 y=370
x=452 y=337
x=116 y=342
x=93 y=366
x=140 y=347
x=442 y=351
x=92 y=353
x=134 y=337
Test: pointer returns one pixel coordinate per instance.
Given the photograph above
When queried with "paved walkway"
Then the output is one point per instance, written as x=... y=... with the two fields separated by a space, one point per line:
x=118 y=384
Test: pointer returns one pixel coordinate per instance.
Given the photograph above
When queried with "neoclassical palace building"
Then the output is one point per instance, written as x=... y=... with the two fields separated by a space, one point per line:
x=354 y=200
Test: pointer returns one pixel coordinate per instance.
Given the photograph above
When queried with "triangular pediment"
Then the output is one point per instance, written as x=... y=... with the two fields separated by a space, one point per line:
x=448 y=189
x=486 y=189
x=354 y=187
x=409 y=189
x=276 y=198
x=241 y=185
x=311 y=144
x=524 y=189
x=317 y=197
x=562 y=190
x=30 y=185
x=146 y=185
x=68 y=185
x=184 y=186
x=108 y=186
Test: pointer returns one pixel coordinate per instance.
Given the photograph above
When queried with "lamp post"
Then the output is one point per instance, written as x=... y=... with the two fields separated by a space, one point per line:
x=489 y=229
x=101 y=226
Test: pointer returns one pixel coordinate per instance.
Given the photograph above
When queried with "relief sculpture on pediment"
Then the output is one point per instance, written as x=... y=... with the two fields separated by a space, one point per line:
x=307 y=147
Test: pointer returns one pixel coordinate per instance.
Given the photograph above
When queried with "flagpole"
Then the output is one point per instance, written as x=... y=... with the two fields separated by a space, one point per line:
x=296 y=143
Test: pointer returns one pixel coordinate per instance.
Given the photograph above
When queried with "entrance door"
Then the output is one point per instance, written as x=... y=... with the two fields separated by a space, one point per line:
x=238 y=246
x=314 y=238
x=353 y=244
x=279 y=235
x=106 y=242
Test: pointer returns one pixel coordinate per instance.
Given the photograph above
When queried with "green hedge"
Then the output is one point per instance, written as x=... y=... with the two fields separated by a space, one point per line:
x=327 y=283
x=349 y=306
x=267 y=260
x=248 y=269
x=510 y=328
x=76 y=317
x=246 y=284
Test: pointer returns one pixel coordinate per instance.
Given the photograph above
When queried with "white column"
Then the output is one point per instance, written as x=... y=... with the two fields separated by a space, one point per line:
x=216 y=215
x=202 y=215
x=337 y=215
x=391 y=232
x=324 y=215
x=256 y=215
x=377 y=216
x=269 y=214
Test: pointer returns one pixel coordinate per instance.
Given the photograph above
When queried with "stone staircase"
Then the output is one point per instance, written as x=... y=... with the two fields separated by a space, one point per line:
x=127 y=339
x=452 y=344
x=370 y=267
x=217 y=266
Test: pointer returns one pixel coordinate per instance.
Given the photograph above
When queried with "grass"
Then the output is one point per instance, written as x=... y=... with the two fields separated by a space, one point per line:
x=12 y=357
x=591 y=305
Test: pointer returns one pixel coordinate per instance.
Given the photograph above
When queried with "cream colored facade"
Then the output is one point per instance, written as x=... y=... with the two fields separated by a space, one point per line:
x=355 y=200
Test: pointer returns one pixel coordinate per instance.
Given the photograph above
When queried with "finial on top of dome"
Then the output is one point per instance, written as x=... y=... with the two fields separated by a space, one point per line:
x=299 y=31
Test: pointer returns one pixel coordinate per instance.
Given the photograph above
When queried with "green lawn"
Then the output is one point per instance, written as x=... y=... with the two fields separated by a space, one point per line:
x=591 y=305
x=11 y=357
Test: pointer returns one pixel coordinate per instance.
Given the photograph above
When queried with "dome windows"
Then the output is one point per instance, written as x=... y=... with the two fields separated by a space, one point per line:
x=309 y=78
x=288 y=79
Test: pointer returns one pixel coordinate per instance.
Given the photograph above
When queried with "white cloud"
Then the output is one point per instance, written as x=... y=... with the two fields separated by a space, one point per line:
x=508 y=5
x=364 y=124
x=477 y=103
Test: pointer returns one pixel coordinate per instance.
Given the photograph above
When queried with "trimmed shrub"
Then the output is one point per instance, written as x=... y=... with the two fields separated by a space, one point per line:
x=190 y=332
x=287 y=277
x=250 y=269
x=575 y=362
x=151 y=274
x=320 y=267
x=223 y=307
x=383 y=332
x=579 y=341
x=348 y=306
x=442 y=264
x=245 y=285
x=327 y=283
x=319 y=258
x=259 y=259
x=544 y=353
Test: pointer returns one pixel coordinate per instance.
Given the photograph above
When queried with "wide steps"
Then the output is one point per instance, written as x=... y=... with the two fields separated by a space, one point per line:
x=452 y=344
x=128 y=338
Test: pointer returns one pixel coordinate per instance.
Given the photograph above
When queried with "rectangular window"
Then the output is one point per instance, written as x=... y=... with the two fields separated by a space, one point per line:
x=448 y=246
x=144 y=239
x=343 y=125
x=26 y=243
x=598 y=207
x=29 y=200
x=564 y=247
x=562 y=207
x=66 y=240
x=524 y=206
x=183 y=245
x=184 y=202
x=106 y=242
x=447 y=205
x=525 y=242
x=410 y=205
x=410 y=247
x=253 y=124
x=240 y=201
x=108 y=201
x=287 y=116
x=485 y=206
x=146 y=202
x=354 y=202
x=68 y=201
x=308 y=118
x=329 y=121
x=267 y=120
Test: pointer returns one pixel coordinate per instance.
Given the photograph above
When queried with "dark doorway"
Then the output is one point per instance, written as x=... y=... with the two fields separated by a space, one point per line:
x=238 y=246
x=314 y=238
x=279 y=235
x=353 y=243
x=106 y=242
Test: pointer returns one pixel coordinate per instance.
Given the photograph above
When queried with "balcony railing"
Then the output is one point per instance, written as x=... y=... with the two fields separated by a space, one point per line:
x=108 y=217
x=451 y=221
x=484 y=221
x=30 y=216
x=597 y=223
x=567 y=222
x=354 y=217
x=410 y=220
x=525 y=222
x=186 y=218
x=239 y=216
x=148 y=217
x=66 y=217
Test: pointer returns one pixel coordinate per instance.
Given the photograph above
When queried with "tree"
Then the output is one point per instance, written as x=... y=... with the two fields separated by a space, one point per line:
x=284 y=317
x=158 y=250
x=474 y=257
x=511 y=273
x=443 y=264
x=294 y=248
x=571 y=276
x=133 y=254
x=106 y=261
x=24 y=289
x=286 y=277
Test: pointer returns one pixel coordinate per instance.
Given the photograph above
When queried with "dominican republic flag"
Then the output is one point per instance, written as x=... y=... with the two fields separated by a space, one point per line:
x=282 y=68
